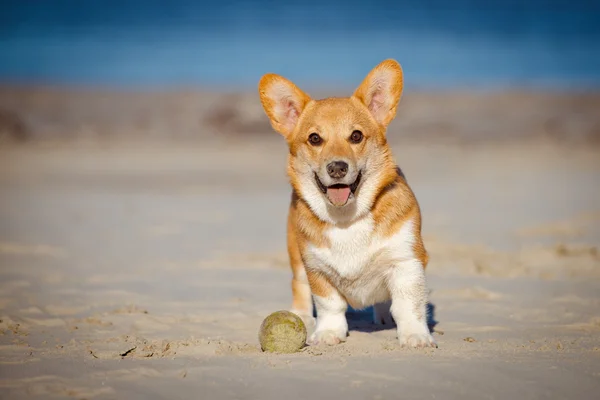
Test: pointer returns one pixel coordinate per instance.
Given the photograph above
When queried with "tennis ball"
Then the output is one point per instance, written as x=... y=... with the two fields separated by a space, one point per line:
x=282 y=332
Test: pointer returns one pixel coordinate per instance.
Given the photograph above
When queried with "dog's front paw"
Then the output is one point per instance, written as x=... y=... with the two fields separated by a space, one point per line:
x=327 y=337
x=417 y=340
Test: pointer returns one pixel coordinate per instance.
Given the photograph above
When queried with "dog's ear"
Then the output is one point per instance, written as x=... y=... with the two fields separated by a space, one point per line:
x=380 y=91
x=283 y=102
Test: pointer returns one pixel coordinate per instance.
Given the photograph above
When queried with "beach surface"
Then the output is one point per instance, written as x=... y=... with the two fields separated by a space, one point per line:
x=142 y=243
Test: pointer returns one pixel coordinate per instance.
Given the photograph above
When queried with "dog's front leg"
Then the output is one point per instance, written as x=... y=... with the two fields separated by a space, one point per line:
x=409 y=304
x=332 y=327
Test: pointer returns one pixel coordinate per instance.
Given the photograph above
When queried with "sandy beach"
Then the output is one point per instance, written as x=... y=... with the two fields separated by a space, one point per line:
x=142 y=242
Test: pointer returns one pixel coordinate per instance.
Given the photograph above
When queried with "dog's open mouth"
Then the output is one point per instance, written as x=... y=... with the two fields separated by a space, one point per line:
x=338 y=194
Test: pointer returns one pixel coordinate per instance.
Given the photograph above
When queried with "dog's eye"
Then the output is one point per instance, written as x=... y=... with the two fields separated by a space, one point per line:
x=356 y=137
x=315 y=139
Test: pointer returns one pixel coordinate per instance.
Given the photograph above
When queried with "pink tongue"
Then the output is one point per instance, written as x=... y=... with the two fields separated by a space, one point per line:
x=338 y=196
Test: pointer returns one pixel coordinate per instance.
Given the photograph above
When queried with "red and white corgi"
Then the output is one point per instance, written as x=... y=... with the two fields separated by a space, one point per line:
x=354 y=225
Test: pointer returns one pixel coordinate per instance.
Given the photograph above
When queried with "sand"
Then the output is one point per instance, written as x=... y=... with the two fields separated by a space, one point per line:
x=141 y=267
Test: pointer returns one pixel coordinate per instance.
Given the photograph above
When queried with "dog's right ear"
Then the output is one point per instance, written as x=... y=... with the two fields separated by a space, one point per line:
x=283 y=102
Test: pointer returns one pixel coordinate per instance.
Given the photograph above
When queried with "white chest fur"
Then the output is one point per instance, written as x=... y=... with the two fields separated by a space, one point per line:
x=350 y=248
x=356 y=250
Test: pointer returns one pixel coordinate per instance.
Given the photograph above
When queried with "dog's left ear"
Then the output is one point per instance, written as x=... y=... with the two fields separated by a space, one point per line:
x=283 y=102
x=380 y=91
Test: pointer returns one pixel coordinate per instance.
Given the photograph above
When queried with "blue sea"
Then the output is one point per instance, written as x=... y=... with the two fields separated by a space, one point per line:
x=440 y=44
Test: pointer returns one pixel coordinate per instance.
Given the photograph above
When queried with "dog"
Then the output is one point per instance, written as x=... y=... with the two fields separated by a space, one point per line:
x=354 y=224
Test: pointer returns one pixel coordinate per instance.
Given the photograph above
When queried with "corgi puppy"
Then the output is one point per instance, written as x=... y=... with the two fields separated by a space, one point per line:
x=354 y=224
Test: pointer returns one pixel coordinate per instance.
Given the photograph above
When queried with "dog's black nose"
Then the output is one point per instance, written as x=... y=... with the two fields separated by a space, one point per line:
x=337 y=169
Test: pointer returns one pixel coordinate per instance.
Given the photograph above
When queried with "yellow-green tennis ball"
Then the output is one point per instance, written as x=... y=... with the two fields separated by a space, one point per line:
x=282 y=332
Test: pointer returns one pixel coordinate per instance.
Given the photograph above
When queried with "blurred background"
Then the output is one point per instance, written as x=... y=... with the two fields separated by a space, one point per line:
x=491 y=44
x=161 y=96
x=326 y=47
x=163 y=57
x=230 y=43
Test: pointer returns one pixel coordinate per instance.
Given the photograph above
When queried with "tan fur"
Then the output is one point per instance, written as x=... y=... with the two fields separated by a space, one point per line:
x=320 y=284
x=394 y=206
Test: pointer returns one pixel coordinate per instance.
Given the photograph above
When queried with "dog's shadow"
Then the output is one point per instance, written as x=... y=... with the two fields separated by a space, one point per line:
x=362 y=320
